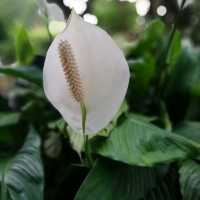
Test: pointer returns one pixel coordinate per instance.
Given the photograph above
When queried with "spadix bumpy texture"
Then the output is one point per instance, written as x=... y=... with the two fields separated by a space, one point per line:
x=70 y=70
x=83 y=64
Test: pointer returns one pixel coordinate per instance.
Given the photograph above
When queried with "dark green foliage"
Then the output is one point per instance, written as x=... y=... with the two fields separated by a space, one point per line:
x=111 y=180
x=21 y=176
x=151 y=149
x=189 y=130
x=142 y=144
x=189 y=180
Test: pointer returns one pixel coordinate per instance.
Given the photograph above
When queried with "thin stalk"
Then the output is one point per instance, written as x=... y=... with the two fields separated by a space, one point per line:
x=162 y=74
x=173 y=31
x=165 y=117
x=85 y=137
x=162 y=59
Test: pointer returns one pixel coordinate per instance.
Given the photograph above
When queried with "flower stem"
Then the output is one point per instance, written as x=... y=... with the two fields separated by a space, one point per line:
x=162 y=59
x=163 y=72
x=85 y=137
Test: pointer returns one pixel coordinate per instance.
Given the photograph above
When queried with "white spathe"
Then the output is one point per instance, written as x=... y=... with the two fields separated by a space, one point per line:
x=103 y=71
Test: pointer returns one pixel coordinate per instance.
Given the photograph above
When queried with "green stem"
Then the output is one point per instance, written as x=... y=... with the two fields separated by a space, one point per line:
x=162 y=59
x=173 y=31
x=85 y=137
x=163 y=72
x=165 y=117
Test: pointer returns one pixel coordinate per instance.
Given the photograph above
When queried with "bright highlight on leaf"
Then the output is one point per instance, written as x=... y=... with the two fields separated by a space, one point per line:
x=84 y=65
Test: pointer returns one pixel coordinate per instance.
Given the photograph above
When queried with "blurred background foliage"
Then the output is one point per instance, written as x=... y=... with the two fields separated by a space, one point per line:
x=164 y=90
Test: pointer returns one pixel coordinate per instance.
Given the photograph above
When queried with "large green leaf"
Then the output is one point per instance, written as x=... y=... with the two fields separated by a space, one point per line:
x=138 y=143
x=190 y=130
x=190 y=180
x=31 y=74
x=110 y=180
x=179 y=87
x=21 y=177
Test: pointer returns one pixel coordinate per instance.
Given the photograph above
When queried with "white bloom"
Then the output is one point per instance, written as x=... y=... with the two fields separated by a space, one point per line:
x=83 y=64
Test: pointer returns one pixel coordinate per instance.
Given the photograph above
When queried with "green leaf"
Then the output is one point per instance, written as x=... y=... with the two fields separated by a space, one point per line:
x=110 y=180
x=155 y=29
x=189 y=180
x=143 y=72
x=21 y=177
x=23 y=12
x=185 y=73
x=179 y=88
x=31 y=74
x=9 y=119
x=151 y=39
x=175 y=49
x=24 y=49
x=189 y=130
x=142 y=144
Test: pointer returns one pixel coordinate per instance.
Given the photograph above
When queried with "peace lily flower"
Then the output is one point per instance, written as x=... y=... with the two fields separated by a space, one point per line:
x=84 y=66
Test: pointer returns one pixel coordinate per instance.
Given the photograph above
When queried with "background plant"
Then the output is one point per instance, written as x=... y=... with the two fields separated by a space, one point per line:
x=155 y=135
